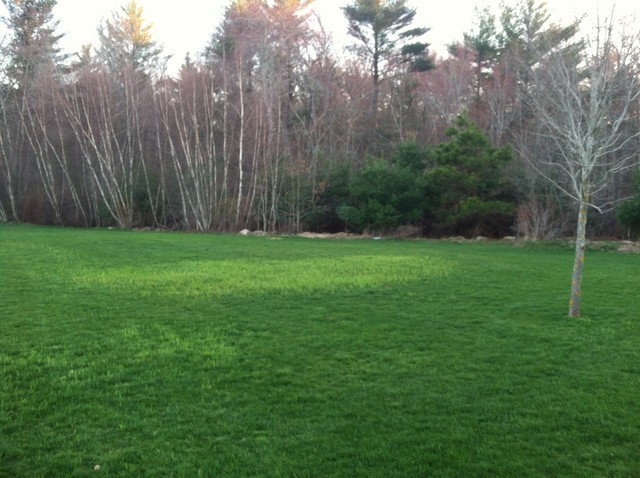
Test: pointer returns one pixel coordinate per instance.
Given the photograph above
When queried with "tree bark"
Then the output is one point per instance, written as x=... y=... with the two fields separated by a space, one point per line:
x=240 y=148
x=578 y=263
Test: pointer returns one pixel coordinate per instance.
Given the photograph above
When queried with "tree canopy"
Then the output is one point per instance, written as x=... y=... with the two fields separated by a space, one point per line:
x=33 y=40
x=386 y=37
x=276 y=130
x=126 y=42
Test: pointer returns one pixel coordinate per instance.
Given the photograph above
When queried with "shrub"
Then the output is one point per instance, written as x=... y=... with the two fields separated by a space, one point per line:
x=330 y=190
x=467 y=190
x=386 y=196
x=628 y=216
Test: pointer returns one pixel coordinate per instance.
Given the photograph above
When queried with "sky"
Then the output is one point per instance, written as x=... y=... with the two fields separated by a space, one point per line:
x=187 y=25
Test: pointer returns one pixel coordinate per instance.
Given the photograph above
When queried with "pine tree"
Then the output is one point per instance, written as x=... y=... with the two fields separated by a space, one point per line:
x=33 y=41
x=384 y=32
x=126 y=42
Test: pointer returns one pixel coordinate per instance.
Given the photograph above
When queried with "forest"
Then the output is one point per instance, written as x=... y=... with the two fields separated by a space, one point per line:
x=524 y=126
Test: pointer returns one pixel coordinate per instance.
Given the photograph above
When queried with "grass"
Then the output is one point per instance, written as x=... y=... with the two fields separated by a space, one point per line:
x=156 y=354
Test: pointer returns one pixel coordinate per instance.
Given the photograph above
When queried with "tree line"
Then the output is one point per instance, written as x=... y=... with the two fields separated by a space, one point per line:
x=521 y=128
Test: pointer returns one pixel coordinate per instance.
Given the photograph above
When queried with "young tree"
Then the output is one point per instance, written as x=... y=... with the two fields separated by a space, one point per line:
x=585 y=104
x=527 y=35
x=467 y=190
x=383 y=29
x=386 y=196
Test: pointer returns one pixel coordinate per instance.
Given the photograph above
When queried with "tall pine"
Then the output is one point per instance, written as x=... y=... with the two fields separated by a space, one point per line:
x=33 y=41
x=386 y=37
x=126 y=43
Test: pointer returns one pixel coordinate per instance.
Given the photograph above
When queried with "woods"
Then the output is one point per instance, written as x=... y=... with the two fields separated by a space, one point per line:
x=523 y=124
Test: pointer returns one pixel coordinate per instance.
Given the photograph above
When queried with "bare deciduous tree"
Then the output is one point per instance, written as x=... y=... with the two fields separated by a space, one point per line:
x=44 y=126
x=584 y=104
x=188 y=115
x=7 y=165
x=106 y=121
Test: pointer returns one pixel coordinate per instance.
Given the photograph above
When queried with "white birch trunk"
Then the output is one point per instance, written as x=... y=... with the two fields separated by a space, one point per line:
x=240 y=146
x=7 y=155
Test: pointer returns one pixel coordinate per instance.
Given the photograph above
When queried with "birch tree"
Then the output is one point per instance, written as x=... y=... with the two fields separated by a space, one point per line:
x=107 y=117
x=585 y=104
x=106 y=109
x=259 y=49
x=188 y=114
x=43 y=123
x=28 y=51
x=8 y=201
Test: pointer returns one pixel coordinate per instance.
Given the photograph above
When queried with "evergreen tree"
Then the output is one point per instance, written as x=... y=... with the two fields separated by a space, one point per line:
x=467 y=189
x=528 y=35
x=126 y=43
x=383 y=29
x=628 y=213
x=385 y=196
x=33 y=41
x=482 y=43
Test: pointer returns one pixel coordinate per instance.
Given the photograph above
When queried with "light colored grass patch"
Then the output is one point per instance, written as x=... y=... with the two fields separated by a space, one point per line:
x=246 y=277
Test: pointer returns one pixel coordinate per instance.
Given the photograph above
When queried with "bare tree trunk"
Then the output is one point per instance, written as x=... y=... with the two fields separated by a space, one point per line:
x=109 y=161
x=240 y=146
x=275 y=184
x=36 y=133
x=188 y=118
x=48 y=148
x=225 y=130
x=254 y=169
x=162 y=186
x=7 y=161
x=578 y=263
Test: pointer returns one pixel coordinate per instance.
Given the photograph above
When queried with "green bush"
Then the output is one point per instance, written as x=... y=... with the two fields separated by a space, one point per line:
x=628 y=216
x=467 y=190
x=386 y=196
x=331 y=190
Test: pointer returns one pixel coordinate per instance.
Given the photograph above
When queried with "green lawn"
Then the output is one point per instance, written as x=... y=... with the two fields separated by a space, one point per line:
x=158 y=354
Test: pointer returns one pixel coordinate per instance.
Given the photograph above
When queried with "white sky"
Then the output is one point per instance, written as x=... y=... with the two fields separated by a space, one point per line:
x=187 y=25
